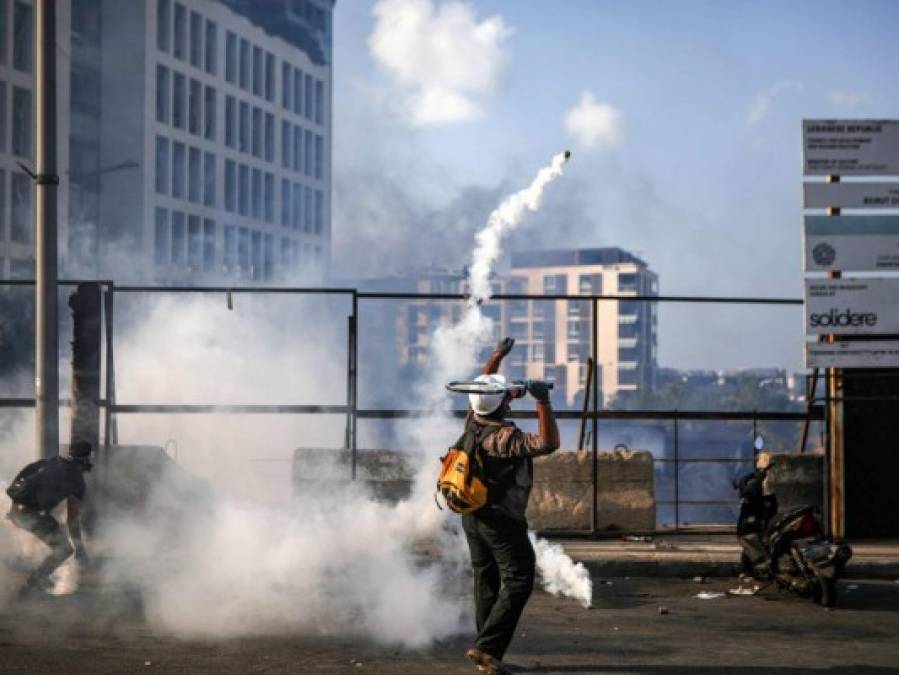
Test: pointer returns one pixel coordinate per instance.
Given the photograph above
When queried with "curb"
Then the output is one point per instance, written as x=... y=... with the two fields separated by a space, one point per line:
x=716 y=569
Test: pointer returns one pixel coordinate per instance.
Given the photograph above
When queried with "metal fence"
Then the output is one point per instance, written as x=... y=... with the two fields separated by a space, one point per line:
x=669 y=468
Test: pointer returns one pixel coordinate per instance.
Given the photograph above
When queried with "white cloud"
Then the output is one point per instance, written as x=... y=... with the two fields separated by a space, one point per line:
x=444 y=62
x=849 y=99
x=594 y=124
x=763 y=102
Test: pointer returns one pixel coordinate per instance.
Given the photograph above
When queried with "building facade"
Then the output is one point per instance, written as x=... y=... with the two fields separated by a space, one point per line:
x=198 y=139
x=553 y=337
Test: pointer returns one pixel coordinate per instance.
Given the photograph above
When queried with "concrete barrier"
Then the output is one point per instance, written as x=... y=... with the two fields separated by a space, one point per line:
x=797 y=480
x=562 y=498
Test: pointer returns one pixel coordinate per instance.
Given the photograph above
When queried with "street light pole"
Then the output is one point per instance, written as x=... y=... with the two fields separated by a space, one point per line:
x=46 y=354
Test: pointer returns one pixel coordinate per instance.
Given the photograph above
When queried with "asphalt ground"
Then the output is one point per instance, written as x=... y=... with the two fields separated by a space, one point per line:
x=624 y=632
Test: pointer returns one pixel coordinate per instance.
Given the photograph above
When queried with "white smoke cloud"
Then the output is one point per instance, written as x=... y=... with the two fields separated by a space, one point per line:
x=849 y=99
x=593 y=124
x=444 y=61
x=762 y=104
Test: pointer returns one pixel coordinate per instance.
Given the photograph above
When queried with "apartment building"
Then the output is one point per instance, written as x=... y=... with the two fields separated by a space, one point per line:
x=557 y=334
x=198 y=139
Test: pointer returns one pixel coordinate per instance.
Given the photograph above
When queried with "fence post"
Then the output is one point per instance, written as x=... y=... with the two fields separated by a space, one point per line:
x=354 y=380
x=108 y=432
x=594 y=515
x=676 y=475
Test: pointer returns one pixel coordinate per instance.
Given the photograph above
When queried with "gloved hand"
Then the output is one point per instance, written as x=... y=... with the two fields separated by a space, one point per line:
x=504 y=346
x=539 y=391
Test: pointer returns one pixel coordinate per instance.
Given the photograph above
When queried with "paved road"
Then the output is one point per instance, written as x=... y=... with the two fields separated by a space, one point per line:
x=624 y=633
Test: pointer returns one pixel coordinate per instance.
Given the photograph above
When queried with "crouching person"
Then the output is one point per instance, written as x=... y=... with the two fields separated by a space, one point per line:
x=502 y=557
x=38 y=489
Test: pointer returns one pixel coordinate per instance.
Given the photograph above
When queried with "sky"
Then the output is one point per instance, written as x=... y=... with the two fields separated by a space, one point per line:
x=684 y=119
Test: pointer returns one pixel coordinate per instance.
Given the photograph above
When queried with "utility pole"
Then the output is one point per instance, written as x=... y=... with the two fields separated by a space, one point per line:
x=46 y=361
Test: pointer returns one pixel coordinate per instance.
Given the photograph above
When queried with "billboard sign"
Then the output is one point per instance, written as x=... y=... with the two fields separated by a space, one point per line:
x=844 y=195
x=855 y=354
x=850 y=147
x=851 y=243
x=852 y=306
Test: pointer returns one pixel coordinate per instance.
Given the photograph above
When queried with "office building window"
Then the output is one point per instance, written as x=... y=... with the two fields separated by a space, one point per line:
x=308 y=209
x=178 y=97
x=319 y=211
x=256 y=255
x=193 y=107
x=285 y=252
x=269 y=137
x=194 y=169
x=196 y=40
x=297 y=219
x=554 y=283
x=319 y=102
x=269 y=76
x=23 y=37
x=21 y=122
x=243 y=190
x=319 y=157
x=22 y=224
x=243 y=248
x=243 y=138
x=295 y=253
x=229 y=255
x=163 y=24
x=162 y=245
x=308 y=95
x=230 y=121
x=208 y=179
x=285 y=202
x=177 y=256
x=194 y=242
x=230 y=186
x=210 y=61
x=162 y=165
x=178 y=160
x=257 y=132
x=269 y=198
x=208 y=244
x=285 y=144
x=244 y=64
x=4 y=18
x=180 y=31
x=2 y=202
x=258 y=73
x=590 y=284
x=209 y=114
x=298 y=149
x=268 y=257
x=231 y=57
x=2 y=115
x=308 y=158
x=298 y=91
x=627 y=283
x=162 y=94
x=257 y=193
x=286 y=89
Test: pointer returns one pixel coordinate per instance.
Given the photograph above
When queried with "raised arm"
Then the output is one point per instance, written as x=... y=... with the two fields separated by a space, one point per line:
x=503 y=347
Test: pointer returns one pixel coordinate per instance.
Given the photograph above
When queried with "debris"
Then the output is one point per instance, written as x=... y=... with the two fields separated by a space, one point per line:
x=744 y=590
x=634 y=537
x=709 y=595
x=148 y=663
x=615 y=628
x=663 y=610
x=852 y=587
x=605 y=582
x=699 y=580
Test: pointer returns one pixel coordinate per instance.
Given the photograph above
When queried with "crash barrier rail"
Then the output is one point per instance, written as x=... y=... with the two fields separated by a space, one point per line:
x=354 y=413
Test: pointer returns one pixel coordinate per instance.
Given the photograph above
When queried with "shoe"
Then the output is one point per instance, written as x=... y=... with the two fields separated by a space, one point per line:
x=487 y=663
x=35 y=587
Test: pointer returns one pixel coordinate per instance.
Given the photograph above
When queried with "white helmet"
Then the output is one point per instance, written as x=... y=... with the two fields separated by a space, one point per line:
x=484 y=404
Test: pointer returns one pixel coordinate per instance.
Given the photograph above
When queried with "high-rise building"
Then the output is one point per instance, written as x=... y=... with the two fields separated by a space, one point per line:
x=557 y=334
x=197 y=138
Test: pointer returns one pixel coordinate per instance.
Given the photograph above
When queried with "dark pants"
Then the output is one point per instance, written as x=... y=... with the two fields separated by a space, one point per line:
x=45 y=527
x=503 y=562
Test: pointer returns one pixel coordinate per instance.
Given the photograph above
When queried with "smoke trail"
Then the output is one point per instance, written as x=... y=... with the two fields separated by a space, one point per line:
x=505 y=218
x=559 y=574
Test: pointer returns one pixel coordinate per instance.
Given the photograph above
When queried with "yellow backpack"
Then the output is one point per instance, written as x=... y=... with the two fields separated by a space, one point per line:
x=462 y=480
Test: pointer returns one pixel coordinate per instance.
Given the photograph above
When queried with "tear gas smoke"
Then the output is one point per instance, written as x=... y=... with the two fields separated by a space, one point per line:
x=560 y=575
x=505 y=218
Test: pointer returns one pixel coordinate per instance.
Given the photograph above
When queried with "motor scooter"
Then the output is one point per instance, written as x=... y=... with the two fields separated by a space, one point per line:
x=790 y=549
